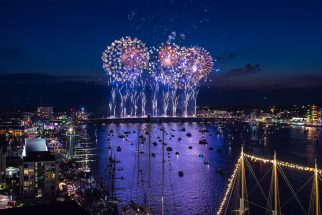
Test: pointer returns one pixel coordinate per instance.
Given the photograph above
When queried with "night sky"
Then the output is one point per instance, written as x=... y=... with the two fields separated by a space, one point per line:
x=265 y=50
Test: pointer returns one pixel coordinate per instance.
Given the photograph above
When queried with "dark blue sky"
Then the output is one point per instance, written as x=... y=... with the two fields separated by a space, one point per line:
x=258 y=44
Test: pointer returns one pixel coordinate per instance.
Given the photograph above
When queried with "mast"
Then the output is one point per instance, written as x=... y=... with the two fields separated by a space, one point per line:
x=162 y=195
x=149 y=130
x=316 y=185
x=138 y=149
x=242 y=209
x=275 y=211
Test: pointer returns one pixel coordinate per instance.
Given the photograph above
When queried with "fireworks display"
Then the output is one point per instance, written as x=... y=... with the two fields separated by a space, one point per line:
x=125 y=59
x=197 y=64
x=174 y=74
x=167 y=64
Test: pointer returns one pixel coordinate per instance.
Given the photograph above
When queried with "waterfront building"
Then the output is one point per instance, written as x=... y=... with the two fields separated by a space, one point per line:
x=2 y=162
x=14 y=175
x=297 y=120
x=71 y=135
x=313 y=115
x=81 y=115
x=39 y=169
x=210 y=113
x=14 y=131
x=45 y=112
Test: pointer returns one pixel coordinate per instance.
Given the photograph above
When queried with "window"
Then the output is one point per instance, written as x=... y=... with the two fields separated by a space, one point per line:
x=25 y=171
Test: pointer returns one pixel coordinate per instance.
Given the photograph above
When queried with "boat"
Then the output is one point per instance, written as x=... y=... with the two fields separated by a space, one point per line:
x=169 y=149
x=316 y=140
x=180 y=173
x=121 y=135
x=190 y=147
x=203 y=129
x=203 y=141
x=189 y=134
x=220 y=171
x=136 y=209
x=206 y=162
x=118 y=148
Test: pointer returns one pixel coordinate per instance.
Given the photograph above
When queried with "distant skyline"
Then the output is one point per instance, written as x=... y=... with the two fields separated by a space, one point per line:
x=260 y=46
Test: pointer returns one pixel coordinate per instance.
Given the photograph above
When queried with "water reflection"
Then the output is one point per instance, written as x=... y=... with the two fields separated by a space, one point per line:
x=200 y=189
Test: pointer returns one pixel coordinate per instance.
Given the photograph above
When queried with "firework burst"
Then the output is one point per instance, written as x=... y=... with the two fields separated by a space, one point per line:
x=125 y=59
x=196 y=63
x=165 y=65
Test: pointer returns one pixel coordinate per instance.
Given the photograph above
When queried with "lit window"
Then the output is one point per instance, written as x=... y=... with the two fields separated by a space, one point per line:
x=25 y=172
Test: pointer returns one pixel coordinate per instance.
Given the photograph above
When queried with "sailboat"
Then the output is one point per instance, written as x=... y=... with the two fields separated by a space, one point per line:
x=134 y=208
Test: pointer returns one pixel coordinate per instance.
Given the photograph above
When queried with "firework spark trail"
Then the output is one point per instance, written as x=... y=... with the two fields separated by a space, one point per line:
x=136 y=107
x=194 y=100
x=177 y=70
x=174 y=100
x=113 y=95
x=132 y=96
x=186 y=98
x=119 y=90
x=112 y=98
x=143 y=103
x=166 y=99
x=110 y=108
x=155 y=99
x=125 y=96
x=190 y=96
x=143 y=97
x=175 y=105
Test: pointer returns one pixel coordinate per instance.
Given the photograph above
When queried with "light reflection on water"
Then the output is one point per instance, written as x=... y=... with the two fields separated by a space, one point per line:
x=200 y=190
